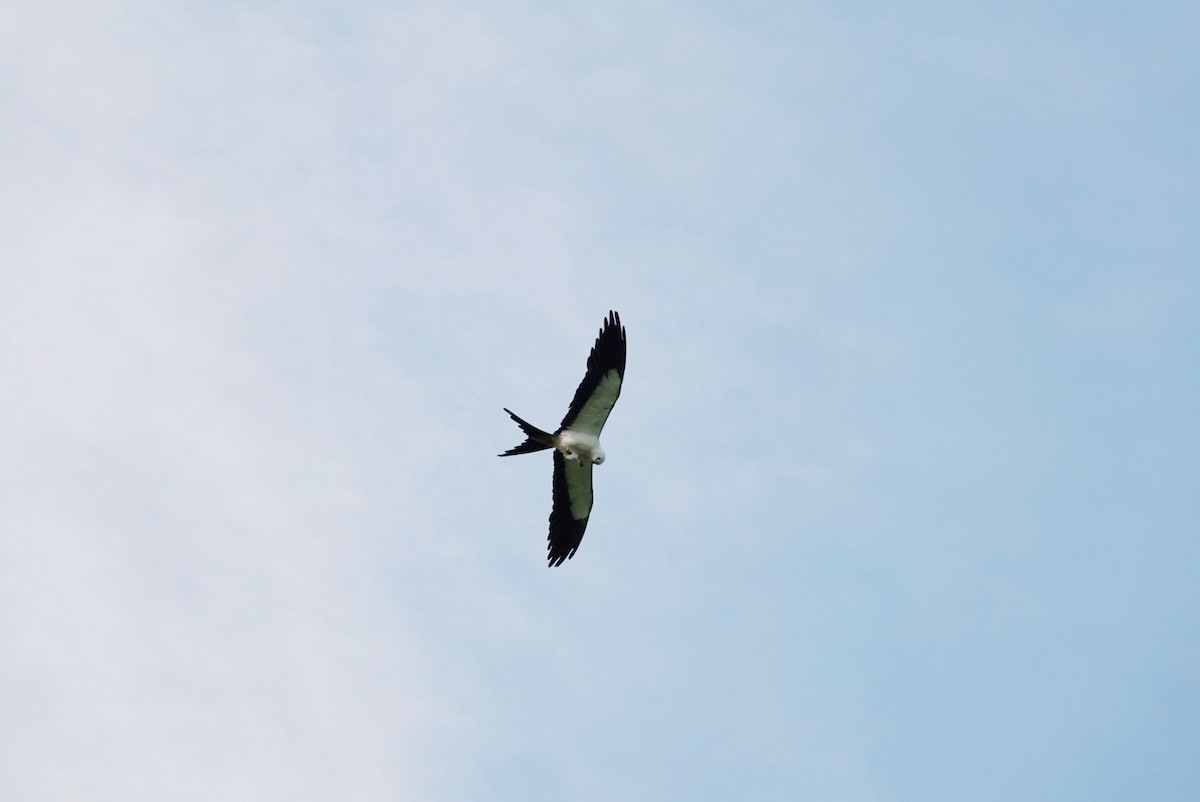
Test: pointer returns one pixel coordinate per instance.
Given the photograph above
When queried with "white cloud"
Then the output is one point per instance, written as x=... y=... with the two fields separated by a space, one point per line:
x=272 y=278
x=267 y=275
x=263 y=282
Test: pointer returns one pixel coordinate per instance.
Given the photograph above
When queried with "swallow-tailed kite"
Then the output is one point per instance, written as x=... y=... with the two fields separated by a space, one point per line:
x=576 y=444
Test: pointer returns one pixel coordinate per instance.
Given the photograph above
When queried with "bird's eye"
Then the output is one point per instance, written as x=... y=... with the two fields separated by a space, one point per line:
x=599 y=460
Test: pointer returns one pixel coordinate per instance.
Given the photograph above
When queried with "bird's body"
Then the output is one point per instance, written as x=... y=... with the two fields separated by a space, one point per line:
x=576 y=444
x=580 y=445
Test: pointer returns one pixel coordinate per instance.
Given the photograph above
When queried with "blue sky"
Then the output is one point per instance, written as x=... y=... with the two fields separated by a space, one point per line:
x=900 y=498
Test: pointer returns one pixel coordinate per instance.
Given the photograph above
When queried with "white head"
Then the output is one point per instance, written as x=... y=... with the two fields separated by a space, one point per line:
x=581 y=455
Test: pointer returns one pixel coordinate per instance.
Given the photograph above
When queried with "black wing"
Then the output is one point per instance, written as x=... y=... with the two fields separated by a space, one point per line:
x=599 y=389
x=572 y=506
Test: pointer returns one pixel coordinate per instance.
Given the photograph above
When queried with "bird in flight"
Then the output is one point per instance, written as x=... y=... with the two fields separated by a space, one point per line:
x=576 y=444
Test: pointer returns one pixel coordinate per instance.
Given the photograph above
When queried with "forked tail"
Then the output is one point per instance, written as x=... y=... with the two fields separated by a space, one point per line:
x=535 y=438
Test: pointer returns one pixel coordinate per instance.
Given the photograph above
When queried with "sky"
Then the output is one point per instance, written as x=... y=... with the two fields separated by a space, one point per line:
x=900 y=499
